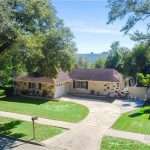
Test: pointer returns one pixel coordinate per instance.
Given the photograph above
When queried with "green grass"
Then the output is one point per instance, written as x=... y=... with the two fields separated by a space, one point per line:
x=136 y=121
x=23 y=130
x=111 y=143
x=57 y=110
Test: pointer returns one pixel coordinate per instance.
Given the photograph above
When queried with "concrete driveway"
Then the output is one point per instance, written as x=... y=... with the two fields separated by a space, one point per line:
x=87 y=134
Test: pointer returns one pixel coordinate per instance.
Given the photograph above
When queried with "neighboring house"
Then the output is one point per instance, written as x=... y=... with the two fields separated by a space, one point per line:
x=88 y=81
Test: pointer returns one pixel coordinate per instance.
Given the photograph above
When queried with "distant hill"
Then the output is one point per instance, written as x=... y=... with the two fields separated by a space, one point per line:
x=92 y=57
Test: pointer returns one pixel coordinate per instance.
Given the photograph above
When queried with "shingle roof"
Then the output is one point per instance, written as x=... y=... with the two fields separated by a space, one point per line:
x=78 y=74
x=33 y=79
x=96 y=75
x=61 y=76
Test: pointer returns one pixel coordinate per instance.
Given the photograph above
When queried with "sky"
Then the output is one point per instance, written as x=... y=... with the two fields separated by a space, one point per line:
x=87 y=20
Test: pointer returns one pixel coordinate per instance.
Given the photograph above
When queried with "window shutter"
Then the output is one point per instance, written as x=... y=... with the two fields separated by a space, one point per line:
x=86 y=84
x=74 y=84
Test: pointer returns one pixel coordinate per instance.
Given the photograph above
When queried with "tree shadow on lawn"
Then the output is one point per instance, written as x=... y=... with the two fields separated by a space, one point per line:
x=7 y=137
x=20 y=99
x=5 y=129
x=141 y=112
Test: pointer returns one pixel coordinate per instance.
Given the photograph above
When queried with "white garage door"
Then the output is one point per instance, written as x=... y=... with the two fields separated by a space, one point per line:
x=60 y=91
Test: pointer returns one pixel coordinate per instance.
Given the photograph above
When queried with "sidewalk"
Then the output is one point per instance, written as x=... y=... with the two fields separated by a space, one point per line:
x=129 y=135
x=61 y=124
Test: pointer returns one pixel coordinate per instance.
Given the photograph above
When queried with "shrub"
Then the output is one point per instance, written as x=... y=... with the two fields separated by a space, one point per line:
x=2 y=92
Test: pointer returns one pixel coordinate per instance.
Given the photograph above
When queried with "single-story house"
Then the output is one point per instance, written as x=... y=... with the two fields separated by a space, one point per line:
x=87 y=81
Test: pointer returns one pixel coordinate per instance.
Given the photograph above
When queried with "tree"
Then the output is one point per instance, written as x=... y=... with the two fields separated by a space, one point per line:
x=57 y=53
x=32 y=38
x=20 y=17
x=117 y=57
x=140 y=58
x=144 y=80
x=82 y=63
x=135 y=10
x=100 y=63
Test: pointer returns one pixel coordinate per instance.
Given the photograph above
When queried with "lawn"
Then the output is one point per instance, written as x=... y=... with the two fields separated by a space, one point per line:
x=23 y=130
x=135 y=121
x=111 y=143
x=57 y=110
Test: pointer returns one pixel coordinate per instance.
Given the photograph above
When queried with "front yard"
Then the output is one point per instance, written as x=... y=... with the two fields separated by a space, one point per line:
x=135 y=121
x=111 y=143
x=23 y=130
x=57 y=110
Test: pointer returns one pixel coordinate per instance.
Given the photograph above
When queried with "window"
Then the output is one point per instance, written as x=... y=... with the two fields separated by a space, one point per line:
x=40 y=86
x=80 y=84
x=29 y=85
x=33 y=85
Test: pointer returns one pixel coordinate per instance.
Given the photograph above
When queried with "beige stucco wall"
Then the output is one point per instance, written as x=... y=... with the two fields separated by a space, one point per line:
x=98 y=87
x=137 y=92
x=103 y=87
x=24 y=86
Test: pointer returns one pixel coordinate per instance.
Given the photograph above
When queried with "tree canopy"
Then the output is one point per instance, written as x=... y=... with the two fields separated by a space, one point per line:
x=33 y=39
x=135 y=11
x=117 y=57
x=143 y=80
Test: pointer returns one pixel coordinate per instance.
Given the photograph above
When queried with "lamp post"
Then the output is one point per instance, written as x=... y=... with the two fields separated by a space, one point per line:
x=33 y=125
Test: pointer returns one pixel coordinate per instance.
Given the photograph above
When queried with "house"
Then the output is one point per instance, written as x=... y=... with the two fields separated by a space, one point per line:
x=96 y=81
x=87 y=81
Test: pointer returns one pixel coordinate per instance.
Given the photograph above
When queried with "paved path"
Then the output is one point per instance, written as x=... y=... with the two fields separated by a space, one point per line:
x=129 y=135
x=87 y=134
x=43 y=121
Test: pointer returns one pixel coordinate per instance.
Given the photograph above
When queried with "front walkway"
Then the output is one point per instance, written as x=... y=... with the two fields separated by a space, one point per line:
x=87 y=134
x=129 y=135
x=65 y=125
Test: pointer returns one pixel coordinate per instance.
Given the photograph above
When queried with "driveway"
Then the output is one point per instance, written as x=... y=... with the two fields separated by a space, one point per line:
x=87 y=134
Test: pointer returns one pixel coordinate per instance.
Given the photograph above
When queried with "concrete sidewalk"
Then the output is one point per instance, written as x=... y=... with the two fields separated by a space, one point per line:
x=43 y=121
x=129 y=135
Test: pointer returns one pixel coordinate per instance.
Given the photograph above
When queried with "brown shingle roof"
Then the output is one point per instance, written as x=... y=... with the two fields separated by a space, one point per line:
x=96 y=75
x=61 y=76
x=33 y=79
x=78 y=74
